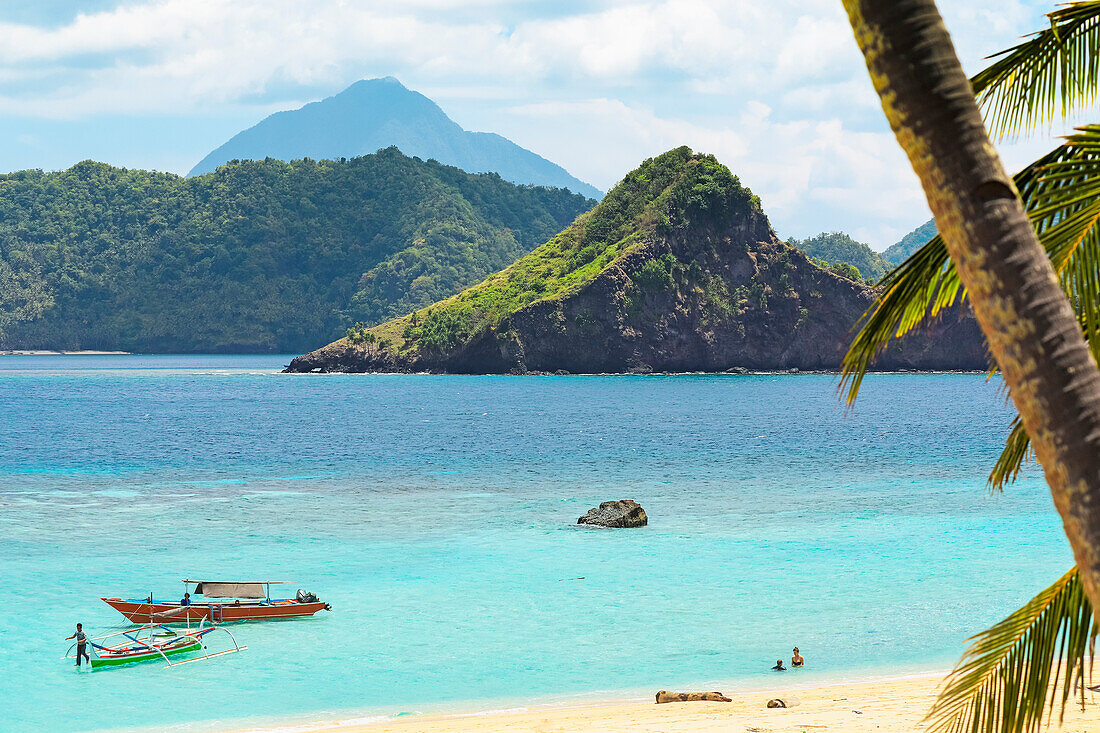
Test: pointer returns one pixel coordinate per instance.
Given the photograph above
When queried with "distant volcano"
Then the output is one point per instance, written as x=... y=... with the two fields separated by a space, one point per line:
x=378 y=113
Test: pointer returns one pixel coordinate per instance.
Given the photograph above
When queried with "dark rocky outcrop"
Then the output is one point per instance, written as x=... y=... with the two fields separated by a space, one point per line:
x=703 y=289
x=623 y=513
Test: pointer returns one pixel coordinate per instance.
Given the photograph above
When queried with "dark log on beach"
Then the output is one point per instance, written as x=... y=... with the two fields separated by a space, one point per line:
x=666 y=696
x=623 y=513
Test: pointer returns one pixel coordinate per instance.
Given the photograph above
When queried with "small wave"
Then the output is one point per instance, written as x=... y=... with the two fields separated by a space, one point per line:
x=330 y=724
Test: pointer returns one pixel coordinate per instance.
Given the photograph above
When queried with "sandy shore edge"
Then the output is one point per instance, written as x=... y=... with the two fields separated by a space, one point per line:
x=885 y=704
x=45 y=352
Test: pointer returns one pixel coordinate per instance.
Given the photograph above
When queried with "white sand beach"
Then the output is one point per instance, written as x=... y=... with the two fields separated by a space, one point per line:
x=895 y=705
x=46 y=352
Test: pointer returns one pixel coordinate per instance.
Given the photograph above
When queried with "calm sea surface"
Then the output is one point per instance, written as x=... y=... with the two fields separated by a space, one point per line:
x=437 y=515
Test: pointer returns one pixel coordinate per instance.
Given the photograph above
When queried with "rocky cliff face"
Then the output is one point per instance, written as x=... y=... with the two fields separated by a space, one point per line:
x=711 y=291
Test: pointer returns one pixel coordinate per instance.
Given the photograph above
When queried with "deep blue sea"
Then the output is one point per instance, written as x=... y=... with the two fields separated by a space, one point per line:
x=437 y=515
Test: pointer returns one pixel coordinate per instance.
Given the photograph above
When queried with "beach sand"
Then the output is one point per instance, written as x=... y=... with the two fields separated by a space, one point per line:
x=46 y=352
x=883 y=705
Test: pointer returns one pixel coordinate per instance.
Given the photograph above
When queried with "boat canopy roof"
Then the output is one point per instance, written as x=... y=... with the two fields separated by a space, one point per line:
x=222 y=589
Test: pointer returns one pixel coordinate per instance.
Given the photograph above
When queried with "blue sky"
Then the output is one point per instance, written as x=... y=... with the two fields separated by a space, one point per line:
x=775 y=89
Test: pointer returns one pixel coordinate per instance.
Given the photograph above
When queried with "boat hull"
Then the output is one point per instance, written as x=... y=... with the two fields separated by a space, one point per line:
x=142 y=612
x=115 y=659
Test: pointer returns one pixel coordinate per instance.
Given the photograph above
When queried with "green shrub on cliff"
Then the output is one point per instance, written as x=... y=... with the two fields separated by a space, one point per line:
x=655 y=276
x=846 y=270
x=256 y=256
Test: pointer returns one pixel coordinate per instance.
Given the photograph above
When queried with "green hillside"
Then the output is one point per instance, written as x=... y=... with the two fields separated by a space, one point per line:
x=665 y=193
x=676 y=270
x=256 y=256
x=910 y=243
x=831 y=249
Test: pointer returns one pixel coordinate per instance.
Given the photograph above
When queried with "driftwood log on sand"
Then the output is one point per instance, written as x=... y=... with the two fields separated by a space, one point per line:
x=666 y=696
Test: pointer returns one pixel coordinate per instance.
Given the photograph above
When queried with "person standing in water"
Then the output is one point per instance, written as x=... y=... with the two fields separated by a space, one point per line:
x=779 y=666
x=81 y=645
x=797 y=660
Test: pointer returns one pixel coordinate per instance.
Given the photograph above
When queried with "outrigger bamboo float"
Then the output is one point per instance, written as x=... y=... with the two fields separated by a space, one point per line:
x=237 y=601
x=160 y=642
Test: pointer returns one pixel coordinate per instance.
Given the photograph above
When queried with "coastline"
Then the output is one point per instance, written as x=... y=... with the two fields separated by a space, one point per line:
x=726 y=373
x=50 y=352
x=884 y=703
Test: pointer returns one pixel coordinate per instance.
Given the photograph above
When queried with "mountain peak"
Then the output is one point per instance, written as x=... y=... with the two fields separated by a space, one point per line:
x=377 y=113
x=378 y=89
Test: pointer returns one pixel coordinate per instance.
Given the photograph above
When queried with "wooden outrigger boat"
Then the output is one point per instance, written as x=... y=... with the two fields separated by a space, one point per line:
x=159 y=642
x=236 y=601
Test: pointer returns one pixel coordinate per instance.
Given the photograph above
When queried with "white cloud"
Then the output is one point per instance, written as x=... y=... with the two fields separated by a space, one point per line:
x=776 y=89
x=810 y=175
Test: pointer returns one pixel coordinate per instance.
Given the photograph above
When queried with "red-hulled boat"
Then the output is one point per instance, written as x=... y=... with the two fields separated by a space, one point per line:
x=237 y=601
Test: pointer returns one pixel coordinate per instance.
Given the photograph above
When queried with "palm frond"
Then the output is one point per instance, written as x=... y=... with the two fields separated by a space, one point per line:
x=1061 y=192
x=1050 y=74
x=1021 y=668
x=1016 y=452
x=909 y=297
x=919 y=289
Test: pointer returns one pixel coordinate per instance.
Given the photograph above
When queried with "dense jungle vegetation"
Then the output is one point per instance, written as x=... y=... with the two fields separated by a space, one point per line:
x=258 y=256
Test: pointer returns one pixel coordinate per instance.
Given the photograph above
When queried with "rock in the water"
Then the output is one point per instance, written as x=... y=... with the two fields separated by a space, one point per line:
x=623 y=513
x=666 y=696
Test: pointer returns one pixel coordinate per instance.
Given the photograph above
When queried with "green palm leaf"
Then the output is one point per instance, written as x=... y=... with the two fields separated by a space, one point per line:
x=1017 y=450
x=1020 y=669
x=1052 y=73
x=1061 y=191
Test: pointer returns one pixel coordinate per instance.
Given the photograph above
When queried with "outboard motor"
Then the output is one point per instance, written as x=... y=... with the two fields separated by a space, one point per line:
x=305 y=596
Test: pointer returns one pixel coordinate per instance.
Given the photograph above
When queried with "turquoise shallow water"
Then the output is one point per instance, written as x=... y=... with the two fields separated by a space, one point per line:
x=437 y=515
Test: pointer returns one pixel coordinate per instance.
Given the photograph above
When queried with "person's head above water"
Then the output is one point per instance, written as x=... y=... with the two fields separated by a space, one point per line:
x=779 y=662
x=796 y=650
x=79 y=627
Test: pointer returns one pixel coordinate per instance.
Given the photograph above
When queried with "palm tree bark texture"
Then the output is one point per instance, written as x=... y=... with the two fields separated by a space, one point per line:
x=1030 y=327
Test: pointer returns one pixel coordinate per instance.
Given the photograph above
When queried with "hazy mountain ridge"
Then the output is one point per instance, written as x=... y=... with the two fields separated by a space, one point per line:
x=378 y=113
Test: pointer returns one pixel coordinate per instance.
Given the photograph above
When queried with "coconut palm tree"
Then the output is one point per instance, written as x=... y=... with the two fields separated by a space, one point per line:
x=989 y=251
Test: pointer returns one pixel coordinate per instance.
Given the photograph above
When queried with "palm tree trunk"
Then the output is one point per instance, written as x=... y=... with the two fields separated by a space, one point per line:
x=1029 y=324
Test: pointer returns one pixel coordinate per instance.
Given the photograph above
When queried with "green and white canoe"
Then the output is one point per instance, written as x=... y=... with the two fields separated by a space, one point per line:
x=158 y=642
x=145 y=652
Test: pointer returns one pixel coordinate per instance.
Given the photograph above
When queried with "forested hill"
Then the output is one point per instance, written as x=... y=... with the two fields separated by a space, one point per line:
x=900 y=251
x=262 y=256
x=833 y=250
x=676 y=269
